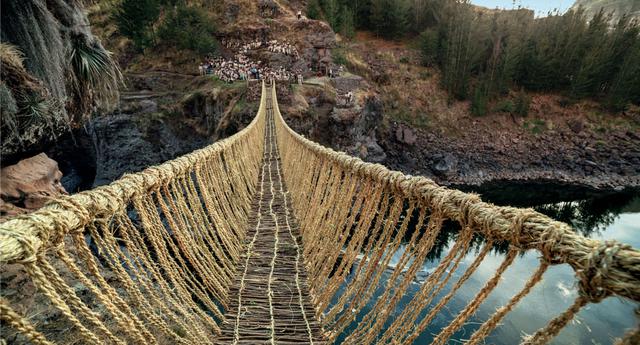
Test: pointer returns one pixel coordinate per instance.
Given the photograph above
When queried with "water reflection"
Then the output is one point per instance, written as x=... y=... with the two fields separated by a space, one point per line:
x=590 y=215
x=612 y=216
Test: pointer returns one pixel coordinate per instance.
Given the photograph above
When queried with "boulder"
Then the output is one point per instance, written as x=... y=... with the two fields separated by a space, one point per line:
x=406 y=135
x=444 y=164
x=371 y=151
x=348 y=83
x=29 y=184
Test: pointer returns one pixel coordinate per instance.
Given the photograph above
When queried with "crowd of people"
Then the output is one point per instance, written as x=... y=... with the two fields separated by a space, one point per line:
x=241 y=67
x=282 y=48
x=238 y=68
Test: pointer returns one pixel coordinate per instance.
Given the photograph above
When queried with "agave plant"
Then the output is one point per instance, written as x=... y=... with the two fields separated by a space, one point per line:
x=97 y=76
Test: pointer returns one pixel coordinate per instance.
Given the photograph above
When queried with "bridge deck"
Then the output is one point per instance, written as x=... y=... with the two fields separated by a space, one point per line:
x=269 y=300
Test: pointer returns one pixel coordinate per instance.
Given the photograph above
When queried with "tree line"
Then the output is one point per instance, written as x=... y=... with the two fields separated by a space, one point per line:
x=149 y=23
x=483 y=54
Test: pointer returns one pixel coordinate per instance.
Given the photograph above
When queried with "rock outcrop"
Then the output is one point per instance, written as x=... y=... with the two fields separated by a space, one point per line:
x=27 y=185
x=617 y=8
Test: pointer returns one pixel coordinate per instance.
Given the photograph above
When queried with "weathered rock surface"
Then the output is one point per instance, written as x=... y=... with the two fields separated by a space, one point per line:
x=329 y=120
x=27 y=185
x=475 y=158
x=347 y=83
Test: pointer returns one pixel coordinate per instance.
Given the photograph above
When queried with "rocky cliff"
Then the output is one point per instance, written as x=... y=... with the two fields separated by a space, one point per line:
x=617 y=8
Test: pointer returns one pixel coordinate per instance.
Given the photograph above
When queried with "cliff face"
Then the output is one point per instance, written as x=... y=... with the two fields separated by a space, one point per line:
x=46 y=42
x=616 y=7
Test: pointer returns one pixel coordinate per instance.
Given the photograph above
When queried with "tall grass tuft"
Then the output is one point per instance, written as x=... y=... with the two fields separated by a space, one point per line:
x=10 y=54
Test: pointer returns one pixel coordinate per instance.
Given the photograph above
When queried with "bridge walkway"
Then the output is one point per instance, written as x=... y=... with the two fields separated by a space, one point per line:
x=269 y=301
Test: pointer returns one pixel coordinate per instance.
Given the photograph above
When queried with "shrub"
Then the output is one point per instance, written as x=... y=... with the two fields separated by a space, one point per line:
x=189 y=28
x=505 y=106
x=424 y=75
x=404 y=59
x=523 y=102
x=338 y=57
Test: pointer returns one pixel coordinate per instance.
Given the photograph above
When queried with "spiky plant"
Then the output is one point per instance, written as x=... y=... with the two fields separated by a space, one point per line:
x=40 y=113
x=97 y=76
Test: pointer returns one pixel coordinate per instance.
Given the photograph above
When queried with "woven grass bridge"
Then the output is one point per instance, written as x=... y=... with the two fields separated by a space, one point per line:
x=267 y=237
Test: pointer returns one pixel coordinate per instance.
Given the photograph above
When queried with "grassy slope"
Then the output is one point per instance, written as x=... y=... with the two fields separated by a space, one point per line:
x=412 y=95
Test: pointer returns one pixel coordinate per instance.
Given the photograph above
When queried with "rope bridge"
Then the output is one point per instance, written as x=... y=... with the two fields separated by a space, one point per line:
x=267 y=237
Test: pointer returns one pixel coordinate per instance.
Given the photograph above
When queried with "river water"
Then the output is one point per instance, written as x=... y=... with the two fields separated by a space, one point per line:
x=611 y=216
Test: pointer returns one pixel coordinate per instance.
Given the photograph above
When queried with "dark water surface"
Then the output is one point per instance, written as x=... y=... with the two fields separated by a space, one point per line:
x=599 y=216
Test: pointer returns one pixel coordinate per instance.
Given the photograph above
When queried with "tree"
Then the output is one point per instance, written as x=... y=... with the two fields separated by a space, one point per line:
x=189 y=28
x=313 y=9
x=134 y=19
x=346 y=22
x=389 y=18
x=428 y=42
x=625 y=86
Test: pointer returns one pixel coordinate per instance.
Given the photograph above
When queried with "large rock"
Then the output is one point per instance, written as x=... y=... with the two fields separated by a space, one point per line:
x=27 y=185
x=348 y=83
x=125 y=143
x=445 y=164
x=371 y=151
x=406 y=135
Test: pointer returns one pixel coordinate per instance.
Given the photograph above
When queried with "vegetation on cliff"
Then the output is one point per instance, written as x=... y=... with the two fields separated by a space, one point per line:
x=156 y=22
x=482 y=54
x=55 y=73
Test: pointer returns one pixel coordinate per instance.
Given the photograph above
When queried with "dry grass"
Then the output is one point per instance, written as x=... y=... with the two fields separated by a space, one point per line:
x=11 y=54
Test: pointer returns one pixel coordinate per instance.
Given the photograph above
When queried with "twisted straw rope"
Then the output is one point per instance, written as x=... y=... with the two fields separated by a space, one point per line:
x=166 y=275
x=604 y=268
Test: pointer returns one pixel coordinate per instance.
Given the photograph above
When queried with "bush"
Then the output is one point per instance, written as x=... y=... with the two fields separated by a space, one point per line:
x=523 y=102
x=338 y=57
x=505 y=106
x=135 y=18
x=424 y=75
x=189 y=28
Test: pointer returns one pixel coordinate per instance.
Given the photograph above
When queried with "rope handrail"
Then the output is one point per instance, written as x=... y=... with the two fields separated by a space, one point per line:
x=602 y=268
x=20 y=237
x=557 y=241
x=172 y=237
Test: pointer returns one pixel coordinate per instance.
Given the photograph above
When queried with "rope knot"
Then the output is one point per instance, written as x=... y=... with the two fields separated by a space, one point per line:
x=596 y=270
x=466 y=207
x=522 y=215
x=78 y=209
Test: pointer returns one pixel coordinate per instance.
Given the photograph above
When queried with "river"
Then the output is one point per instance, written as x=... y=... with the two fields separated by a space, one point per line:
x=610 y=216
